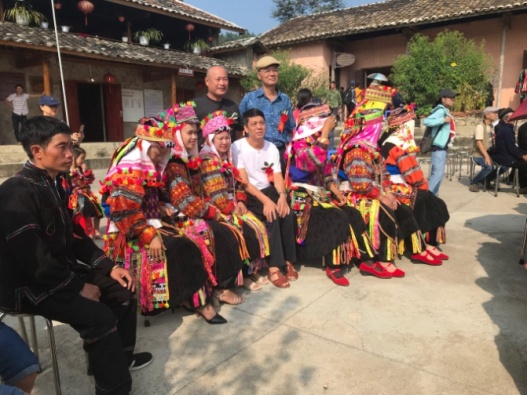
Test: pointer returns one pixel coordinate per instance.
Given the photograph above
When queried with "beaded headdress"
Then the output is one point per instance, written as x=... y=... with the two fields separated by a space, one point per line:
x=156 y=130
x=217 y=122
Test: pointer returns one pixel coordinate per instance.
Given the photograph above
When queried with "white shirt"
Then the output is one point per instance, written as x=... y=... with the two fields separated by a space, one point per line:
x=255 y=161
x=19 y=103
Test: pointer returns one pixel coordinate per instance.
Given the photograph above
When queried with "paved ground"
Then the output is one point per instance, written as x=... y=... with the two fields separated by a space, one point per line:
x=454 y=329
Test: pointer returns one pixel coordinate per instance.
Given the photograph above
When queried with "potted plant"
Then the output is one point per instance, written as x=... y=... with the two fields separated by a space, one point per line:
x=44 y=24
x=65 y=28
x=199 y=47
x=166 y=45
x=124 y=38
x=23 y=14
x=145 y=36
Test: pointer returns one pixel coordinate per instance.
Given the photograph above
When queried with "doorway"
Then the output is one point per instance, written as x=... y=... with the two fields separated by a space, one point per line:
x=91 y=111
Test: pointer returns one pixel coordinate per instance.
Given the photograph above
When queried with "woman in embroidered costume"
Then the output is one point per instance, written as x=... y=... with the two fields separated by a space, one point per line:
x=223 y=187
x=199 y=218
x=368 y=187
x=410 y=186
x=87 y=210
x=323 y=229
x=168 y=266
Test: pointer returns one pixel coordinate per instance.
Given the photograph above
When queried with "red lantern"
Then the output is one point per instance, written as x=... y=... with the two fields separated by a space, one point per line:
x=109 y=78
x=121 y=18
x=57 y=5
x=86 y=7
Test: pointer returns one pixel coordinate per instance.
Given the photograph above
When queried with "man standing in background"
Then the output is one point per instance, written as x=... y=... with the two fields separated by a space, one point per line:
x=335 y=104
x=18 y=103
x=217 y=81
x=276 y=106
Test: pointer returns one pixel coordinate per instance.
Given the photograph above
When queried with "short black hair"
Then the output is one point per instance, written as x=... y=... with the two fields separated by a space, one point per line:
x=39 y=131
x=19 y=85
x=251 y=113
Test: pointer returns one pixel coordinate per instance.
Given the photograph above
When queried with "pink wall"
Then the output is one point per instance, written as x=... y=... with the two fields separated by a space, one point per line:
x=382 y=51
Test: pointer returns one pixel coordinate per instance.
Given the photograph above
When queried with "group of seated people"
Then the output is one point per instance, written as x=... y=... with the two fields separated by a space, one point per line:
x=190 y=225
x=193 y=225
x=495 y=143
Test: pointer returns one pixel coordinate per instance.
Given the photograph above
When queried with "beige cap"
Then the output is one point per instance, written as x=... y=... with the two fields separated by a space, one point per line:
x=266 y=61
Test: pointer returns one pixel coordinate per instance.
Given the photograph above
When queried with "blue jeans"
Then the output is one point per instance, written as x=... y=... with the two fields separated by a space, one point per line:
x=438 y=161
x=483 y=173
x=16 y=359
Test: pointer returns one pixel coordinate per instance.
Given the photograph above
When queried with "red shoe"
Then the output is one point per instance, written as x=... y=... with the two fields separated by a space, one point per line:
x=337 y=277
x=440 y=256
x=397 y=272
x=374 y=270
x=427 y=260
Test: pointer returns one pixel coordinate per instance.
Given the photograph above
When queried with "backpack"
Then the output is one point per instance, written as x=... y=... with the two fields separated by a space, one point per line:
x=426 y=143
x=350 y=96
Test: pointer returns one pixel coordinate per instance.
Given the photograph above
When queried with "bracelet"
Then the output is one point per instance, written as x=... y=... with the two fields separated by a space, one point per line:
x=323 y=140
x=282 y=192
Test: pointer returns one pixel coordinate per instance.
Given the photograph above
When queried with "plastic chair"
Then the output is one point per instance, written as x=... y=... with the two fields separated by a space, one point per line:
x=34 y=343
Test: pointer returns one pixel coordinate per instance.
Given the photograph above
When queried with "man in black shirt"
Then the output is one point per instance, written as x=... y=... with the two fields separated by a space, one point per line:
x=217 y=81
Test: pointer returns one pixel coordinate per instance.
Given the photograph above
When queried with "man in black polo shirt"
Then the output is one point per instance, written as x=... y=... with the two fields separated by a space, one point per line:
x=217 y=81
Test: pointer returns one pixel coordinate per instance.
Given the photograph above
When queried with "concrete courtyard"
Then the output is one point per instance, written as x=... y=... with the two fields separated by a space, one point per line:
x=454 y=329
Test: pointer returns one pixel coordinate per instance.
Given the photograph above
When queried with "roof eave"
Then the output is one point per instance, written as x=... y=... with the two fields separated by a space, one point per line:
x=424 y=21
x=171 y=14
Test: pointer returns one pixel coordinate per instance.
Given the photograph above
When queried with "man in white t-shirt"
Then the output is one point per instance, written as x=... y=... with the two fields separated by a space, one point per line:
x=18 y=103
x=259 y=162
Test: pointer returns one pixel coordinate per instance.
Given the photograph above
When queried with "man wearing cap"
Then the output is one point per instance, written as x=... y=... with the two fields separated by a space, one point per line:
x=507 y=152
x=18 y=103
x=482 y=142
x=334 y=103
x=275 y=105
x=217 y=82
x=48 y=105
x=443 y=132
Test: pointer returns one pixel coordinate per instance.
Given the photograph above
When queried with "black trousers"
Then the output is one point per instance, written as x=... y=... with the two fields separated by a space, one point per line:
x=108 y=329
x=17 y=124
x=281 y=233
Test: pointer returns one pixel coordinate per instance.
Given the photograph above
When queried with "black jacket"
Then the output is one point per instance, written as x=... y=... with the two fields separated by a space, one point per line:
x=507 y=152
x=39 y=245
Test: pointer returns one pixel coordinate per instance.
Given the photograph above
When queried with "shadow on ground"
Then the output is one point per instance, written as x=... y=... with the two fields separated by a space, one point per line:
x=507 y=283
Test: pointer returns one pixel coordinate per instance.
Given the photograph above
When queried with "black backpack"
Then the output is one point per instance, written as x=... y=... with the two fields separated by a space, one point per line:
x=350 y=96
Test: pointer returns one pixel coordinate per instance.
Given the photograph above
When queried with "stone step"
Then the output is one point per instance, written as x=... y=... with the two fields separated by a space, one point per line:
x=12 y=157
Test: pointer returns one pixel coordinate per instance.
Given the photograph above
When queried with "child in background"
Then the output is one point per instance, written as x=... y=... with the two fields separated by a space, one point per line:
x=83 y=201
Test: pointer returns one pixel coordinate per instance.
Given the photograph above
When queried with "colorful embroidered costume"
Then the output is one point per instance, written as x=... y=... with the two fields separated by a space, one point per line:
x=324 y=230
x=407 y=180
x=82 y=201
x=197 y=215
x=133 y=184
x=223 y=187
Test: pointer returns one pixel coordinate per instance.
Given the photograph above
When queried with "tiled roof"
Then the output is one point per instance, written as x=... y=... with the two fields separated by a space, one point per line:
x=188 y=11
x=382 y=16
x=117 y=51
x=236 y=44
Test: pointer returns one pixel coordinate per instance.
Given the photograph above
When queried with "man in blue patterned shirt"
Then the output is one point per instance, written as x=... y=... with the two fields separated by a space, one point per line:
x=275 y=105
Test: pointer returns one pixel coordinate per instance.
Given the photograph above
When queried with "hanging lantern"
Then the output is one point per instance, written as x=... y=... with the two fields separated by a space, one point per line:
x=86 y=7
x=109 y=78
x=200 y=85
x=57 y=5
x=189 y=27
x=121 y=18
